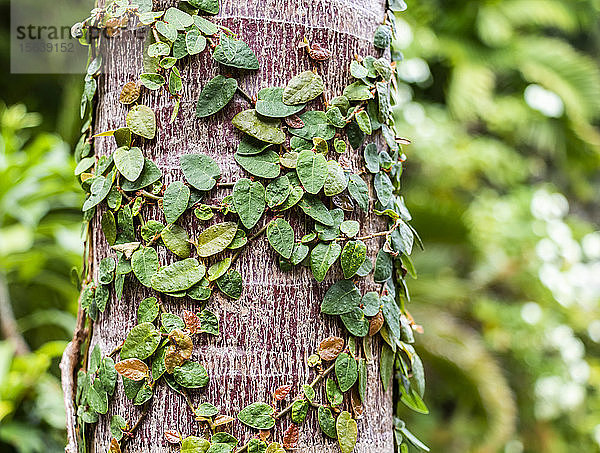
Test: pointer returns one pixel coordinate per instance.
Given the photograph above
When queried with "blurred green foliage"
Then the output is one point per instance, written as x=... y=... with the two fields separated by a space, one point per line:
x=501 y=100
x=40 y=242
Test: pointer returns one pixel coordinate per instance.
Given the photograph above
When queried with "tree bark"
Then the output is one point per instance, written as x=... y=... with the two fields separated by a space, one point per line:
x=266 y=335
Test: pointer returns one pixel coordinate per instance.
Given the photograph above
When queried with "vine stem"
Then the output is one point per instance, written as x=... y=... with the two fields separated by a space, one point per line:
x=137 y=423
x=312 y=385
x=372 y=235
x=149 y=195
x=246 y=95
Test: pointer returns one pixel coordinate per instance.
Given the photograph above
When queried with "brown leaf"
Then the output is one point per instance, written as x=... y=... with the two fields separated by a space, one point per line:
x=282 y=392
x=192 y=322
x=331 y=347
x=290 y=438
x=172 y=436
x=318 y=52
x=133 y=369
x=222 y=420
x=357 y=407
x=376 y=323
x=114 y=446
x=264 y=434
x=294 y=122
x=179 y=350
x=129 y=93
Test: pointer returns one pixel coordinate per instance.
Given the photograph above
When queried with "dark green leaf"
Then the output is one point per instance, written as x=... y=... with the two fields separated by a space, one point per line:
x=231 y=284
x=141 y=342
x=175 y=200
x=191 y=375
x=327 y=422
x=235 y=53
x=147 y=310
x=178 y=276
x=359 y=190
x=303 y=88
x=341 y=298
x=200 y=171
x=215 y=95
x=270 y=103
x=322 y=258
x=313 y=207
x=346 y=371
x=258 y=416
x=281 y=237
x=263 y=165
x=150 y=174
x=312 y=170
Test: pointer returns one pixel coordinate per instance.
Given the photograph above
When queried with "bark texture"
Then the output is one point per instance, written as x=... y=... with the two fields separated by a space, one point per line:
x=267 y=335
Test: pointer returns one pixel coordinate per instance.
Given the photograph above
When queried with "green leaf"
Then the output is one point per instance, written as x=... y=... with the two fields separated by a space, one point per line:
x=384 y=267
x=329 y=233
x=98 y=398
x=100 y=188
x=334 y=394
x=178 y=18
x=141 y=342
x=147 y=310
x=263 y=165
x=206 y=410
x=412 y=399
x=313 y=207
x=391 y=314
x=109 y=227
x=176 y=240
x=265 y=129
x=215 y=239
x=277 y=191
x=231 y=284
x=371 y=303
x=341 y=298
x=200 y=170
x=346 y=371
x=193 y=444
x=347 y=432
x=270 y=103
x=194 y=41
x=258 y=416
x=209 y=323
x=316 y=124
x=295 y=196
x=235 y=53
x=363 y=121
x=208 y=6
x=150 y=174
x=358 y=91
x=129 y=162
x=359 y=190
x=144 y=263
x=142 y=121
x=322 y=258
x=117 y=426
x=281 y=237
x=191 y=375
x=175 y=200
x=383 y=188
x=383 y=37
x=200 y=291
x=169 y=31
x=358 y=71
x=152 y=81
x=386 y=365
x=371 y=155
x=355 y=322
x=249 y=201
x=302 y=88
x=336 y=181
x=299 y=411
x=362 y=378
x=250 y=146
x=350 y=228
x=178 y=276
x=170 y=322
x=312 y=170
x=327 y=422
x=215 y=95
x=158 y=49
x=336 y=119
x=218 y=269
x=352 y=257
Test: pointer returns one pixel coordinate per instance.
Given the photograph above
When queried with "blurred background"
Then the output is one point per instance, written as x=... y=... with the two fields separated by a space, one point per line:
x=501 y=100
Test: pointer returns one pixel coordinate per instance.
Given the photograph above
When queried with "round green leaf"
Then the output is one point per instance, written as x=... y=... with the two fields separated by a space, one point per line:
x=200 y=171
x=150 y=174
x=175 y=200
x=249 y=201
x=176 y=240
x=215 y=95
x=313 y=207
x=316 y=125
x=195 y=42
x=234 y=52
x=281 y=237
x=141 y=342
x=231 y=284
x=178 y=18
x=312 y=170
x=342 y=297
x=258 y=416
x=322 y=258
x=336 y=181
x=178 y=276
x=147 y=310
x=347 y=432
x=215 y=239
x=129 y=162
x=278 y=191
x=265 y=129
x=327 y=422
x=302 y=88
x=270 y=103
x=263 y=165
x=352 y=257
x=144 y=263
x=191 y=375
x=142 y=121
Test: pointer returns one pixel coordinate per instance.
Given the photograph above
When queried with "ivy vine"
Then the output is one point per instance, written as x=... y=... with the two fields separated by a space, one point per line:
x=294 y=155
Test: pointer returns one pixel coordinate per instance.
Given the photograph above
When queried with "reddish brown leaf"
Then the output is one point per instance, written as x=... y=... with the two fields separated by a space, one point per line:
x=172 y=436
x=376 y=323
x=291 y=436
x=133 y=369
x=318 y=52
x=282 y=392
x=294 y=122
x=192 y=322
x=331 y=347
x=222 y=420
x=264 y=434
x=114 y=446
x=179 y=350
x=357 y=406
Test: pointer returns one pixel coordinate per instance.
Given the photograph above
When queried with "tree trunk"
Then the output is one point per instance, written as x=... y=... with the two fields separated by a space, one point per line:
x=268 y=334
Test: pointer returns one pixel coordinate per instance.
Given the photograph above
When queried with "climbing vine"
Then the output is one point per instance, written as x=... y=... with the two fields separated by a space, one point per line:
x=286 y=143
